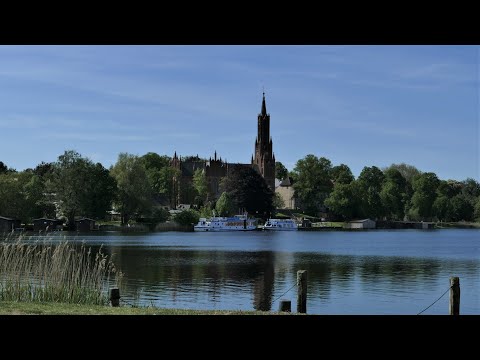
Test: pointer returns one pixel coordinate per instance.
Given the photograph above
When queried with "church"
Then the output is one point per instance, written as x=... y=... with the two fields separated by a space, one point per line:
x=263 y=161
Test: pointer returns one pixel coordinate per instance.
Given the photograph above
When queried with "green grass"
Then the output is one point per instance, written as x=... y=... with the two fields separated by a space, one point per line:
x=330 y=224
x=22 y=308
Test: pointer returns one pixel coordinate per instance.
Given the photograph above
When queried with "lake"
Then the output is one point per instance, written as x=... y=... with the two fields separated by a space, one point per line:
x=364 y=272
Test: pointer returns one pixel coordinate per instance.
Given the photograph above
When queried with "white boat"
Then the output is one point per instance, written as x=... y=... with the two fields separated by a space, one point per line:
x=280 y=225
x=219 y=223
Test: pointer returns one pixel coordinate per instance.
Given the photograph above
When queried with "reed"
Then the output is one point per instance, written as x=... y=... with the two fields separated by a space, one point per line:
x=43 y=270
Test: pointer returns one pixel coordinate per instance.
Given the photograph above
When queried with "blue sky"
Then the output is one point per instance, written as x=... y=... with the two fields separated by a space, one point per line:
x=357 y=105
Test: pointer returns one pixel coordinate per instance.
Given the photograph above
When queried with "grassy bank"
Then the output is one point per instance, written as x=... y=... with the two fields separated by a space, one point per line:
x=25 y=308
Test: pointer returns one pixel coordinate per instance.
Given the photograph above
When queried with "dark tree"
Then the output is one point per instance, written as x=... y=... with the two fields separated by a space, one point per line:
x=187 y=217
x=341 y=174
x=43 y=169
x=248 y=190
x=370 y=183
x=3 y=168
x=281 y=171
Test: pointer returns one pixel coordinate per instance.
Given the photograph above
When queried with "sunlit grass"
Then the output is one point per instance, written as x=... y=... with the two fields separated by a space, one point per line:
x=39 y=270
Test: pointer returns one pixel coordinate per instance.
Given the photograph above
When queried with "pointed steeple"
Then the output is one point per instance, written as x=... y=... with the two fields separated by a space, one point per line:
x=264 y=107
x=215 y=155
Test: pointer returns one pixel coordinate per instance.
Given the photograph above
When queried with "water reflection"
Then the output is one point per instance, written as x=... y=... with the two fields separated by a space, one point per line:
x=378 y=272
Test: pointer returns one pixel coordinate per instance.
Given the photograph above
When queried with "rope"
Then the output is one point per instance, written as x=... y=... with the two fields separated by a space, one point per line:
x=284 y=293
x=428 y=307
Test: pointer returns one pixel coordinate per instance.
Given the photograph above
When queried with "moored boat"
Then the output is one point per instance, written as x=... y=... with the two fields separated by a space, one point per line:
x=232 y=223
x=280 y=225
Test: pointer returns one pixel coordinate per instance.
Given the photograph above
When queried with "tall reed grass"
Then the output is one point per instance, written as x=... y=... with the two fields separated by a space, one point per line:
x=44 y=270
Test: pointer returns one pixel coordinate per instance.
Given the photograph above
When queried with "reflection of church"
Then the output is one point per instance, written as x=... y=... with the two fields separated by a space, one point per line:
x=263 y=161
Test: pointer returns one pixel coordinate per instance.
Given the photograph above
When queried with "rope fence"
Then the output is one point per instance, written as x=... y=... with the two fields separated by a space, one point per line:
x=428 y=307
x=283 y=294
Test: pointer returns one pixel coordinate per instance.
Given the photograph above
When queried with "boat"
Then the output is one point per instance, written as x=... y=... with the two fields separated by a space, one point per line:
x=220 y=223
x=280 y=225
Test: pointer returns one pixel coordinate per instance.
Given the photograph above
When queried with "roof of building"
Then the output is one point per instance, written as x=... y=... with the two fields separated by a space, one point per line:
x=361 y=221
x=288 y=181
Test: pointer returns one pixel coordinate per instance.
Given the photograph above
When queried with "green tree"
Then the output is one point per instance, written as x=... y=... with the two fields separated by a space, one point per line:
x=101 y=188
x=343 y=201
x=312 y=182
x=201 y=186
x=462 y=209
x=442 y=208
x=160 y=174
x=225 y=205
x=407 y=171
x=424 y=187
x=393 y=194
x=22 y=196
x=80 y=187
x=471 y=190
x=187 y=217
x=281 y=171
x=370 y=183
x=341 y=174
x=477 y=209
x=133 y=188
x=248 y=190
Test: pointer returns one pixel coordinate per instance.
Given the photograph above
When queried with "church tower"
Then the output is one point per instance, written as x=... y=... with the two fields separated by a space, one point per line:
x=264 y=160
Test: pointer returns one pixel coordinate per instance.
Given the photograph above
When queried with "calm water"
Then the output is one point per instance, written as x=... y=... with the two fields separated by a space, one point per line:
x=369 y=272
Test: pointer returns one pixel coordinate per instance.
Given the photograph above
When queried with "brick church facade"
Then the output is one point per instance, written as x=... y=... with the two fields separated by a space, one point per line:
x=263 y=161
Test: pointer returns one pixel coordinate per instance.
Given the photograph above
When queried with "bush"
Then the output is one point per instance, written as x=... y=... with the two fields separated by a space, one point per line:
x=187 y=217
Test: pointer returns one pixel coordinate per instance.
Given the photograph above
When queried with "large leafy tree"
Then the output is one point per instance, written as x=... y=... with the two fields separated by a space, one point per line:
x=225 y=205
x=393 y=194
x=281 y=171
x=80 y=187
x=313 y=183
x=407 y=171
x=134 y=194
x=370 y=183
x=22 y=196
x=248 y=190
x=101 y=190
x=159 y=173
x=343 y=201
x=461 y=208
x=201 y=186
x=424 y=187
x=341 y=174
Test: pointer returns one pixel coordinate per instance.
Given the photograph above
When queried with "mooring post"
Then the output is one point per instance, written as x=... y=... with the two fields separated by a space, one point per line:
x=115 y=297
x=302 y=291
x=285 y=306
x=454 y=295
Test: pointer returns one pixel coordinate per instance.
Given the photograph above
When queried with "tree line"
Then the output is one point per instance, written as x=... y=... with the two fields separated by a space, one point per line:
x=397 y=192
x=138 y=186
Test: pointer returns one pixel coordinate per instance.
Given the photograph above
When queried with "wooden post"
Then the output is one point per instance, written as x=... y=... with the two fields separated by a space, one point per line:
x=285 y=305
x=302 y=291
x=454 y=295
x=115 y=297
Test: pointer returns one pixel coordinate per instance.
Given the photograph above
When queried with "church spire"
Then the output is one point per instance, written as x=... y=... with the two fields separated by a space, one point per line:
x=264 y=107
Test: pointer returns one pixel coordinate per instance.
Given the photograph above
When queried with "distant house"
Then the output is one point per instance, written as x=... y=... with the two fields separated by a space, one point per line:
x=85 y=224
x=361 y=224
x=8 y=224
x=287 y=193
x=44 y=224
